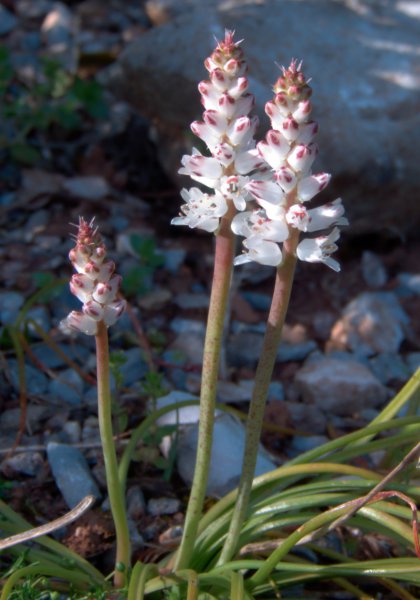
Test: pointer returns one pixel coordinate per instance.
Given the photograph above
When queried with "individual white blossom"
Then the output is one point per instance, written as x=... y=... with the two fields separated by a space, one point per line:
x=201 y=210
x=94 y=284
x=319 y=249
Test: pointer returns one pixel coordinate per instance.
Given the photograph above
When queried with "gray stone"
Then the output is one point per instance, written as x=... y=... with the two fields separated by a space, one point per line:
x=180 y=325
x=29 y=9
x=174 y=258
x=163 y=506
x=186 y=300
x=295 y=352
x=322 y=322
x=36 y=381
x=10 y=304
x=373 y=270
x=67 y=387
x=71 y=473
x=226 y=455
x=340 y=387
x=135 y=367
x=23 y=463
x=73 y=431
x=413 y=361
x=389 y=367
x=50 y=359
x=36 y=224
x=228 y=391
x=302 y=443
x=7 y=21
x=275 y=391
x=155 y=299
x=378 y=100
x=409 y=284
x=41 y=316
x=307 y=417
x=179 y=416
x=372 y=323
x=10 y=419
x=58 y=25
x=136 y=504
x=244 y=349
x=88 y=187
x=258 y=300
x=191 y=345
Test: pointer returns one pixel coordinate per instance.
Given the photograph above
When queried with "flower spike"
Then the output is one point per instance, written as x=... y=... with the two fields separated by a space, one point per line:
x=94 y=284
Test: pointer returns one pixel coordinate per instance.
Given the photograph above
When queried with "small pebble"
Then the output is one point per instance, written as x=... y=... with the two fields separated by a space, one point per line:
x=373 y=270
x=71 y=473
x=163 y=506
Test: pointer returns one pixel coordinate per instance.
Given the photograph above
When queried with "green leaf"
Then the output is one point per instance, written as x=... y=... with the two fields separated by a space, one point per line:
x=24 y=153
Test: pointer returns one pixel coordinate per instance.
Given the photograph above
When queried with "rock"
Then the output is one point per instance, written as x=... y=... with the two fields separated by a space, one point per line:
x=156 y=299
x=275 y=391
x=28 y=9
x=36 y=224
x=187 y=301
x=372 y=323
x=323 y=322
x=228 y=391
x=58 y=25
x=163 y=506
x=7 y=21
x=10 y=304
x=67 y=387
x=71 y=473
x=36 y=381
x=174 y=258
x=413 y=361
x=302 y=443
x=180 y=416
x=23 y=463
x=258 y=300
x=41 y=316
x=10 y=419
x=73 y=431
x=136 y=504
x=134 y=368
x=180 y=325
x=389 y=367
x=307 y=417
x=339 y=387
x=378 y=100
x=88 y=187
x=226 y=455
x=50 y=359
x=373 y=270
x=295 y=352
x=409 y=284
x=191 y=345
x=244 y=349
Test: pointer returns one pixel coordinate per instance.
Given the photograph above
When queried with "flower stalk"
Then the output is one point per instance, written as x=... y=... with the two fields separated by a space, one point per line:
x=225 y=247
x=96 y=286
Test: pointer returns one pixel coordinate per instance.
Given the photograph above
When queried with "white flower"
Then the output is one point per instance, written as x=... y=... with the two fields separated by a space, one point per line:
x=260 y=251
x=320 y=249
x=201 y=210
x=316 y=219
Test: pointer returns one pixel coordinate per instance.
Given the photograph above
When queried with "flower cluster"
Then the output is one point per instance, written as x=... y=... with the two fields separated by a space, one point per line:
x=228 y=132
x=94 y=284
x=268 y=183
x=289 y=150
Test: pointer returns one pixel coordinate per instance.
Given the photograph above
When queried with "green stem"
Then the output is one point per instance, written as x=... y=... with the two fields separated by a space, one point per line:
x=116 y=498
x=223 y=261
x=264 y=372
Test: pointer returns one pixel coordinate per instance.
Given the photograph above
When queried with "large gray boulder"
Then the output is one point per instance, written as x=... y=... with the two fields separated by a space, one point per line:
x=363 y=61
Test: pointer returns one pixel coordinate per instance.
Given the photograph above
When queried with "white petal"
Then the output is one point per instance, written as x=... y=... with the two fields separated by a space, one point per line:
x=262 y=252
x=312 y=185
x=82 y=287
x=286 y=178
x=274 y=150
x=113 y=311
x=248 y=161
x=268 y=191
x=302 y=157
x=327 y=215
x=77 y=321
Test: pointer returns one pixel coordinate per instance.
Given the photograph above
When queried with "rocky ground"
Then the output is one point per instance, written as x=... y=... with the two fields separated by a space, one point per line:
x=352 y=339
